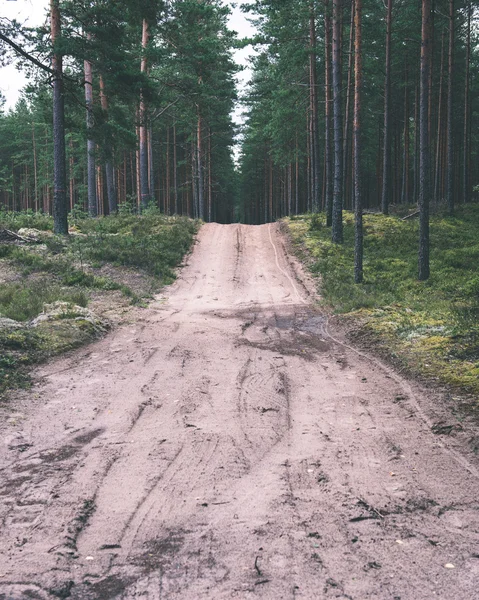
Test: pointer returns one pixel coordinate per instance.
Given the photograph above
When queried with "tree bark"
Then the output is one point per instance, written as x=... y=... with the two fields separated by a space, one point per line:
x=465 y=145
x=175 y=171
x=405 y=178
x=347 y=111
x=337 y=217
x=90 y=143
x=110 y=179
x=386 y=189
x=437 y=171
x=35 y=169
x=143 y=150
x=328 y=187
x=450 y=140
x=60 y=217
x=199 y=156
x=424 y=179
x=315 y=168
x=358 y=205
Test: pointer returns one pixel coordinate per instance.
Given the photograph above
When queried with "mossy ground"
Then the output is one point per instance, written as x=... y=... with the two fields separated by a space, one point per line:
x=127 y=254
x=430 y=328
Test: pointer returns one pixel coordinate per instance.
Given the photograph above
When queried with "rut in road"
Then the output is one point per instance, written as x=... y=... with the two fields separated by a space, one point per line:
x=225 y=446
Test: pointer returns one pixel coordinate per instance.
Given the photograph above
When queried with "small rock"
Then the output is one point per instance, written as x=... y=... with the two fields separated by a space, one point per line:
x=10 y=324
x=34 y=234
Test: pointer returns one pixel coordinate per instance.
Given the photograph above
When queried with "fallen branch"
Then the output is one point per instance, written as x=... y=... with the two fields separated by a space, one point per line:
x=7 y=236
x=414 y=214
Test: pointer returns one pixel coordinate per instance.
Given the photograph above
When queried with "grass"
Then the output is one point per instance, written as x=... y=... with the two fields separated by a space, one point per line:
x=24 y=301
x=431 y=328
x=66 y=269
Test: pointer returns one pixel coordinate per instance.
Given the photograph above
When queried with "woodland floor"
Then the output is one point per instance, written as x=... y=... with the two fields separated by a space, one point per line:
x=229 y=444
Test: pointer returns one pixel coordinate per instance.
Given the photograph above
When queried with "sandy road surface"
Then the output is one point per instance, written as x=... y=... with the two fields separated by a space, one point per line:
x=226 y=447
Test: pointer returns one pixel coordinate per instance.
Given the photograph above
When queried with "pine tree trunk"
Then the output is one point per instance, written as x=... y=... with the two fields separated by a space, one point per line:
x=175 y=171
x=151 y=169
x=424 y=179
x=194 y=187
x=437 y=170
x=337 y=219
x=60 y=217
x=199 y=156
x=328 y=187
x=143 y=150
x=315 y=167
x=168 y=174
x=71 y=162
x=465 y=144
x=35 y=170
x=210 y=183
x=347 y=111
x=405 y=178
x=358 y=205
x=386 y=189
x=450 y=140
x=91 y=176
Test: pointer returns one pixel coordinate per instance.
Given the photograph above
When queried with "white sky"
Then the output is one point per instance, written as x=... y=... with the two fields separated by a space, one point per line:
x=32 y=13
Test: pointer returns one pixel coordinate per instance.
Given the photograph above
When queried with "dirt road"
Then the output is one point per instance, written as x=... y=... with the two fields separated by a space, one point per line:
x=226 y=447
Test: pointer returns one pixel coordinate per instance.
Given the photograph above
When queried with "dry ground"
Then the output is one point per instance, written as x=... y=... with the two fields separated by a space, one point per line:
x=227 y=446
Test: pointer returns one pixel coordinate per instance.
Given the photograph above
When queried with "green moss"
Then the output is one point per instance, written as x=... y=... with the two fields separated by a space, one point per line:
x=432 y=327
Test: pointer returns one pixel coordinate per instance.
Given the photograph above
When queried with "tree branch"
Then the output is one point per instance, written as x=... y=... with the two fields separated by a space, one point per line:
x=26 y=54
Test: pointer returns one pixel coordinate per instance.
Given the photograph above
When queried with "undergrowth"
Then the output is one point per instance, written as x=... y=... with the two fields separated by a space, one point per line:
x=66 y=269
x=432 y=327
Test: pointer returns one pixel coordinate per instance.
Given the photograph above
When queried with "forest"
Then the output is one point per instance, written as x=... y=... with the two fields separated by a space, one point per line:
x=350 y=104
x=137 y=94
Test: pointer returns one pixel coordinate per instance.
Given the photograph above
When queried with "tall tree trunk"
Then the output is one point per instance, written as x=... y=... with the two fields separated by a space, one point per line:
x=143 y=150
x=175 y=170
x=465 y=144
x=90 y=143
x=71 y=162
x=424 y=179
x=194 y=187
x=386 y=190
x=450 y=140
x=315 y=168
x=328 y=187
x=151 y=166
x=60 y=217
x=358 y=205
x=405 y=179
x=210 y=182
x=347 y=110
x=337 y=221
x=168 y=174
x=35 y=173
x=437 y=171
x=416 y=145
x=199 y=153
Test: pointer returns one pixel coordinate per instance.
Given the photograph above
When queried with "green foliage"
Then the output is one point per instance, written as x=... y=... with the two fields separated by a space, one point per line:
x=25 y=300
x=17 y=220
x=151 y=243
x=432 y=327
